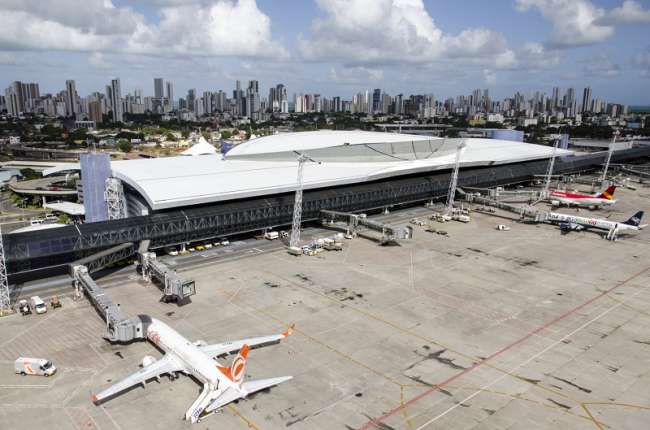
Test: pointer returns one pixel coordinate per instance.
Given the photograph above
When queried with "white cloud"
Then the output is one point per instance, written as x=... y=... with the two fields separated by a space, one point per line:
x=373 y=32
x=9 y=59
x=222 y=28
x=99 y=17
x=575 y=22
x=355 y=75
x=629 y=12
x=218 y=28
x=642 y=62
x=601 y=66
x=535 y=56
x=580 y=22
x=489 y=76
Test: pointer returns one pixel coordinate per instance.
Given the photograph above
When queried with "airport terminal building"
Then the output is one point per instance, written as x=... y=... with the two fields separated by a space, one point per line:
x=180 y=199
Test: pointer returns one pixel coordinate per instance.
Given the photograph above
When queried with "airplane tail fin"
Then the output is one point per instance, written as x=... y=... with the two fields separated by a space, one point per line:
x=236 y=370
x=608 y=193
x=635 y=219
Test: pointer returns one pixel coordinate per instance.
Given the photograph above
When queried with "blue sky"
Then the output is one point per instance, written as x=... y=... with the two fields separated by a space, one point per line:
x=333 y=47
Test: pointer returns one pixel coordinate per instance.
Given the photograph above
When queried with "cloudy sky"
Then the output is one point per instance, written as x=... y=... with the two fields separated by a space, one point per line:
x=334 y=47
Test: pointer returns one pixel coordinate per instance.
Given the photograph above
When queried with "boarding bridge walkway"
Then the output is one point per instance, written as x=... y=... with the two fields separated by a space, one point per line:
x=174 y=287
x=388 y=232
x=521 y=210
x=119 y=328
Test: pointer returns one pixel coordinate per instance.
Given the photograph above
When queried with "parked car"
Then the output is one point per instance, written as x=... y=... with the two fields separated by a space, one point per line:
x=271 y=235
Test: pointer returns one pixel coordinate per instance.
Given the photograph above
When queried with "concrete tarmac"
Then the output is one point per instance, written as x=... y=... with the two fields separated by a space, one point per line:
x=479 y=329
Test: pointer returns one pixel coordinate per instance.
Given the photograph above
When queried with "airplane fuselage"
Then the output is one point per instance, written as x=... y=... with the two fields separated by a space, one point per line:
x=197 y=363
x=598 y=223
x=582 y=200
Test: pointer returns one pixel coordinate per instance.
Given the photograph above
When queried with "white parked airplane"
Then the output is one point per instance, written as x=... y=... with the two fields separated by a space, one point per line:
x=614 y=229
x=221 y=385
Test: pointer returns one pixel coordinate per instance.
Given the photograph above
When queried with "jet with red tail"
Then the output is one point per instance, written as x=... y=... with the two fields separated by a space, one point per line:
x=565 y=198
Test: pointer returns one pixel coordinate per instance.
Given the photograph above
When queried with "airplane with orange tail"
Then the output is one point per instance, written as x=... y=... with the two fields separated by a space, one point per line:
x=605 y=198
x=221 y=385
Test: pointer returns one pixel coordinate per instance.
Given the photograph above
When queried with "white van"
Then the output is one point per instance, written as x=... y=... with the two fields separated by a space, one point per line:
x=34 y=366
x=271 y=235
x=38 y=304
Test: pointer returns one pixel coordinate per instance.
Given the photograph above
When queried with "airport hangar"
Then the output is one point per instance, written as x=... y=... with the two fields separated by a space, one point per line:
x=176 y=200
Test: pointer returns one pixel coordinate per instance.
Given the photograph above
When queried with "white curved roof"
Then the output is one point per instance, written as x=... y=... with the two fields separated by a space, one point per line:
x=171 y=182
x=181 y=181
x=308 y=140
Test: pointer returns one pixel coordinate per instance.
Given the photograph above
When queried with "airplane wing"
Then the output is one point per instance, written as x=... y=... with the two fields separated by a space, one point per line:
x=250 y=387
x=218 y=349
x=165 y=365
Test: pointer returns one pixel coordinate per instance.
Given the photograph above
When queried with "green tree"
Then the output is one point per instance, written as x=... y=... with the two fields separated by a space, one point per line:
x=124 y=145
x=29 y=174
x=170 y=137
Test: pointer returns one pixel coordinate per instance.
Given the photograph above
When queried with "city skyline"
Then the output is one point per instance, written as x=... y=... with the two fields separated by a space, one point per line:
x=251 y=103
x=334 y=47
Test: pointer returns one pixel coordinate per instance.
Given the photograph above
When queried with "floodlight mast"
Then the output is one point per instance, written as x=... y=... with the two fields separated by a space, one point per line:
x=609 y=156
x=549 y=172
x=5 y=298
x=454 y=178
x=294 y=240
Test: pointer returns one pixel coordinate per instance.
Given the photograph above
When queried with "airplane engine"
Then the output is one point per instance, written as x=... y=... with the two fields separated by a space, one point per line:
x=148 y=360
x=200 y=343
x=555 y=203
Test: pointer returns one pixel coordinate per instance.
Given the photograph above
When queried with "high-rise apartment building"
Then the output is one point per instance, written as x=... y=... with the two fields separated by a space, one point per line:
x=191 y=99
x=158 y=88
x=70 y=98
x=586 y=100
x=95 y=111
x=116 y=101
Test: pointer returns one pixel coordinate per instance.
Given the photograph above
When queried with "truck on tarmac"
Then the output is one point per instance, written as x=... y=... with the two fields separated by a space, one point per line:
x=34 y=366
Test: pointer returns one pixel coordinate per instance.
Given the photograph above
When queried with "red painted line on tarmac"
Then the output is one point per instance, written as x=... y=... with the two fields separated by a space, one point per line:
x=375 y=422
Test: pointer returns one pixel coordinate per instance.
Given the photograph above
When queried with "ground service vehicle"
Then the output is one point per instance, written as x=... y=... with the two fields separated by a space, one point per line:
x=38 y=304
x=270 y=235
x=24 y=308
x=34 y=366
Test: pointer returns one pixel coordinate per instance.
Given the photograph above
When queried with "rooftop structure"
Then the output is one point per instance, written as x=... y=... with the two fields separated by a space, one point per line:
x=267 y=165
x=202 y=147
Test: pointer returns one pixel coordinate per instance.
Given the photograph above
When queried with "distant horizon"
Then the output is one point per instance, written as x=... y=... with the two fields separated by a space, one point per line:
x=332 y=47
x=264 y=90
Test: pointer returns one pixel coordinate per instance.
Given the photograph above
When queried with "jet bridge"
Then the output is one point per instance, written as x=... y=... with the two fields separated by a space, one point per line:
x=522 y=210
x=119 y=328
x=174 y=287
x=388 y=232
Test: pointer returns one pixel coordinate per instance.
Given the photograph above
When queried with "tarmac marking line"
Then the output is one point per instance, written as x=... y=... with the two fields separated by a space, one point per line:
x=72 y=420
x=543 y=351
x=514 y=396
x=375 y=421
x=248 y=422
